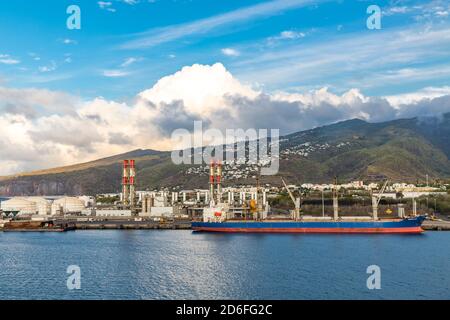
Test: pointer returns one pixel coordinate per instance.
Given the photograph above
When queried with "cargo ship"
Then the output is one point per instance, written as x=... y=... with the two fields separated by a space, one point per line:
x=221 y=217
x=307 y=225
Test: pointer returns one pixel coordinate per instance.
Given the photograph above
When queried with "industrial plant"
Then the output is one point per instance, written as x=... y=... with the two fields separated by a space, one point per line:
x=165 y=208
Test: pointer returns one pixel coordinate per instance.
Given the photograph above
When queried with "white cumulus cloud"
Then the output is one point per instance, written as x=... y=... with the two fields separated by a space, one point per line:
x=42 y=128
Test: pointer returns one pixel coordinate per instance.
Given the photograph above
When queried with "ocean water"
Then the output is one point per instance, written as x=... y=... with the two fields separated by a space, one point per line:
x=175 y=264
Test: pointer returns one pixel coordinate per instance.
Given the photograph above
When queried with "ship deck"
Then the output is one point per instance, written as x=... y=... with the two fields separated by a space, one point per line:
x=341 y=219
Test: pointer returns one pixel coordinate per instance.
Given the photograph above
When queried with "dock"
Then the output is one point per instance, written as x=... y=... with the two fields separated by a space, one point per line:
x=37 y=226
x=436 y=225
x=116 y=223
x=148 y=224
x=130 y=224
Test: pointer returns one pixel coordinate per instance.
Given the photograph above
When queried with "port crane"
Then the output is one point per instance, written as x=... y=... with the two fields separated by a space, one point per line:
x=376 y=200
x=295 y=200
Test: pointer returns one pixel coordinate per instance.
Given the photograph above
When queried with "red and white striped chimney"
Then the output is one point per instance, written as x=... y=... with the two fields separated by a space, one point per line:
x=132 y=182
x=211 y=179
x=219 y=181
x=125 y=182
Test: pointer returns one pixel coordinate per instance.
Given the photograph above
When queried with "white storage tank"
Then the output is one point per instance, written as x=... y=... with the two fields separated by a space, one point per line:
x=19 y=205
x=42 y=205
x=56 y=209
x=87 y=200
x=69 y=205
x=43 y=209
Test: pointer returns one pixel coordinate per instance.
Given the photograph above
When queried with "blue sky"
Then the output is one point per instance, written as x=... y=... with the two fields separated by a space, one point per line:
x=124 y=47
x=137 y=70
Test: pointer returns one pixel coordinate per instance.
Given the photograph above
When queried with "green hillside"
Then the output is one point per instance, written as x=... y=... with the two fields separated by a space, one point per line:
x=402 y=150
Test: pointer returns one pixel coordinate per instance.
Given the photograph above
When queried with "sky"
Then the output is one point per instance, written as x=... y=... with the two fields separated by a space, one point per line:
x=138 y=69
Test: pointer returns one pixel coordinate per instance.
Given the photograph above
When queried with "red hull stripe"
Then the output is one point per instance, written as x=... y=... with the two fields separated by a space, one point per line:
x=312 y=230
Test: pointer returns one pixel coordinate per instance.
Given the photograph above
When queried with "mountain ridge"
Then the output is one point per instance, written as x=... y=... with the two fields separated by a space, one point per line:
x=402 y=149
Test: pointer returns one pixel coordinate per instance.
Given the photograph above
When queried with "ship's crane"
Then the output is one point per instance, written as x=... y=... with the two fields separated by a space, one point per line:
x=376 y=200
x=296 y=201
x=335 y=200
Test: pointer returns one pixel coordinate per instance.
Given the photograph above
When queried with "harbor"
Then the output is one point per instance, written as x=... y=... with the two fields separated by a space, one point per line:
x=251 y=208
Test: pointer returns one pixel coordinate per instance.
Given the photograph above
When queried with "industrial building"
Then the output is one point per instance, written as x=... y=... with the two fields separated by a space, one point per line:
x=112 y=213
x=158 y=205
x=41 y=206
x=239 y=202
x=128 y=196
x=67 y=205
x=235 y=202
x=19 y=205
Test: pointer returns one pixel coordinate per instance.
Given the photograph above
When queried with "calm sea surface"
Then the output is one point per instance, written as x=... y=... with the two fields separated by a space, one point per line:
x=185 y=265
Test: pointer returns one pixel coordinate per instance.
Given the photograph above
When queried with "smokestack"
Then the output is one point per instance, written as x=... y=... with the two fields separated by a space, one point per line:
x=125 y=181
x=132 y=183
x=219 y=181
x=211 y=180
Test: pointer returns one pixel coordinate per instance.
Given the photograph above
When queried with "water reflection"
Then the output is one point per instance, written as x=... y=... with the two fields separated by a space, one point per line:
x=180 y=264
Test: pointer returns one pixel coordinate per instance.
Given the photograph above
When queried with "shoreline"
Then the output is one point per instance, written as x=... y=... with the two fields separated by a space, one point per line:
x=126 y=224
x=427 y=226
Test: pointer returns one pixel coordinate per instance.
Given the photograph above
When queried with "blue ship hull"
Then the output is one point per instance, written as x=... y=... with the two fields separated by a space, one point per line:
x=407 y=225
